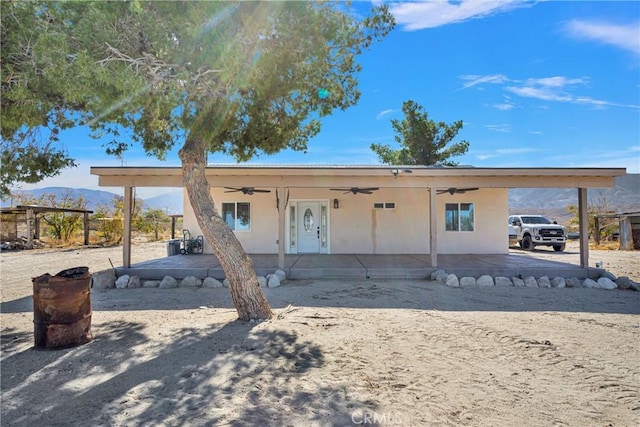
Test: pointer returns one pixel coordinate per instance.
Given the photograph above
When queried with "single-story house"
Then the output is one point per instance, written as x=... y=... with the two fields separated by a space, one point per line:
x=283 y=209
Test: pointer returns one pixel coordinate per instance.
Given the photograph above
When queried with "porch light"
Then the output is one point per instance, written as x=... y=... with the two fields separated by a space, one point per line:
x=336 y=204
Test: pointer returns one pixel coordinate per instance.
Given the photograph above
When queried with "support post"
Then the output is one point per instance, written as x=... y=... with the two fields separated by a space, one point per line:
x=86 y=228
x=31 y=216
x=282 y=209
x=173 y=227
x=626 y=234
x=433 y=227
x=126 y=228
x=583 y=215
x=596 y=232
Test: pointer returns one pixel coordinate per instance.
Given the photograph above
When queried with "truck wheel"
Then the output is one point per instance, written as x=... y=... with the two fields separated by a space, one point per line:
x=559 y=248
x=527 y=243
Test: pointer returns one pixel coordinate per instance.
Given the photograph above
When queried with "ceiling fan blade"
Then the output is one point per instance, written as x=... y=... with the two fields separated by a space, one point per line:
x=258 y=190
x=340 y=189
x=365 y=192
x=464 y=190
x=232 y=189
x=368 y=189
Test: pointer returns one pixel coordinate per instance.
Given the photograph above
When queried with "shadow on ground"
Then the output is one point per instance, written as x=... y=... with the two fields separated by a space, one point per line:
x=231 y=374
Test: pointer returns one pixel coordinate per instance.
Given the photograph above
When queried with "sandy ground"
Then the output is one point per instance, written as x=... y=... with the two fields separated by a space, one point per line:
x=339 y=353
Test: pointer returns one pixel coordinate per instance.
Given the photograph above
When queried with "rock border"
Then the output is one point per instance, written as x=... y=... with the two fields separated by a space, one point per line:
x=606 y=281
x=107 y=280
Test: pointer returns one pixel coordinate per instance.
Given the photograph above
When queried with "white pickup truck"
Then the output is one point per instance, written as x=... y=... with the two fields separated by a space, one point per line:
x=530 y=231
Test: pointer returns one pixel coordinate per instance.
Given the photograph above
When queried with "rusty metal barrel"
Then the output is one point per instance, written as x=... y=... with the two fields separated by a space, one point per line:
x=62 y=309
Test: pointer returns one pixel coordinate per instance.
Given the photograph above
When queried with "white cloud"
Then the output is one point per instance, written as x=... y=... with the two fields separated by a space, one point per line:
x=519 y=150
x=554 y=88
x=499 y=128
x=535 y=132
x=383 y=113
x=474 y=80
x=430 y=14
x=626 y=37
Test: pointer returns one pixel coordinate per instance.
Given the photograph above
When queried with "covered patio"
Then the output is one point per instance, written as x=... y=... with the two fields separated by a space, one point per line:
x=365 y=266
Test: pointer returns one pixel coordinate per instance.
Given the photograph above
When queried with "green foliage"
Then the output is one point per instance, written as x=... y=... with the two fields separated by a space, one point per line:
x=62 y=225
x=58 y=225
x=154 y=221
x=423 y=141
x=244 y=77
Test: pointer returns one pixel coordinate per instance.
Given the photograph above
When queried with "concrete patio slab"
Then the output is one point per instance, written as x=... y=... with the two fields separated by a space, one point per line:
x=313 y=266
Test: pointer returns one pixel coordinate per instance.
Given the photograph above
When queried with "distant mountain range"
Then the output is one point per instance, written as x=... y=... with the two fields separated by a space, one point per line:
x=170 y=201
x=623 y=197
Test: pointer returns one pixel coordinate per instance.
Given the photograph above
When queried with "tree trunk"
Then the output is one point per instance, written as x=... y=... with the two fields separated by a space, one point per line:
x=247 y=296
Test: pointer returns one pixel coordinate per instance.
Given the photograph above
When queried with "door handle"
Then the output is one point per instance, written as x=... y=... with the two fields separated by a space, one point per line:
x=318 y=232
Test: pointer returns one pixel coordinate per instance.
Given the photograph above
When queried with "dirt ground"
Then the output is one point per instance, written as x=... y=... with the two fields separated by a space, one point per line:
x=339 y=353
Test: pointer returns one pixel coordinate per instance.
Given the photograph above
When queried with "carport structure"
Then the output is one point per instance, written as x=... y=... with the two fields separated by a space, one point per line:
x=32 y=215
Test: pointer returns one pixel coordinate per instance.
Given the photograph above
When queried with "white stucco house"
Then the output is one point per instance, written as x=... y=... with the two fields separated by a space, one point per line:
x=283 y=209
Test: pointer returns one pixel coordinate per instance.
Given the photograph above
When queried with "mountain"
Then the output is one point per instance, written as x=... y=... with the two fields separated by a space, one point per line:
x=93 y=198
x=171 y=201
x=624 y=196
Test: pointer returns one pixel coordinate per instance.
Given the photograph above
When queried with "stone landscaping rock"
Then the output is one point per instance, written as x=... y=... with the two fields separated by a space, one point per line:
x=623 y=282
x=151 y=284
x=439 y=275
x=452 y=280
x=263 y=281
x=530 y=282
x=543 y=282
x=273 y=281
x=635 y=286
x=590 y=283
x=466 y=281
x=134 y=282
x=211 y=282
x=609 y=275
x=517 y=282
x=122 y=281
x=485 y=281
x=190 y=282
x=573 y=282
x=503 y=281
x=606 y=283
x=558 y=282
x=225 y=283
x=281 y=275
x=168 y=282
x=103 y=279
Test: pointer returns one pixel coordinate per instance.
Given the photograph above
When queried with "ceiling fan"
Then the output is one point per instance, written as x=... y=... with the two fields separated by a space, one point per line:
x=356 y=190
x=454 y=190
x=246 y=190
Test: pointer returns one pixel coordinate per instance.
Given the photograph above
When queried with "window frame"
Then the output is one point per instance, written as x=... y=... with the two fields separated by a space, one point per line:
x=459 y=220
x=235 y=216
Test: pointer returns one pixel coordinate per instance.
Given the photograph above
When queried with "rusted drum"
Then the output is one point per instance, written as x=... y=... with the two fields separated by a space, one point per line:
x=62 y=309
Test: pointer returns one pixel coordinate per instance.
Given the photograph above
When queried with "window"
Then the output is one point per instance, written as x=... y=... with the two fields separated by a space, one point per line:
x=385 y=205
x=237 y=215
x=459 y=217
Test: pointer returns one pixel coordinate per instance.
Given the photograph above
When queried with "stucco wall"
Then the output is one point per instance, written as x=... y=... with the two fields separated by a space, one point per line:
x=358 y=228
x=490 y=235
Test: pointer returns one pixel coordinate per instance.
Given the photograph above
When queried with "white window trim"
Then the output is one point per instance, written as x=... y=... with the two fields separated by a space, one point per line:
x=459 y=222
x=235 y=230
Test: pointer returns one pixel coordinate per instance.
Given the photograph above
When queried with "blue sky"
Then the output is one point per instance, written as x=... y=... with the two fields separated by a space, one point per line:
x=537 y=84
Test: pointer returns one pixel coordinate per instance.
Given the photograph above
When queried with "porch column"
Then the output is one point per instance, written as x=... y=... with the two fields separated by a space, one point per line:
x=433 y=227
x=583 y=215
x=126 y=228
x=282 y=208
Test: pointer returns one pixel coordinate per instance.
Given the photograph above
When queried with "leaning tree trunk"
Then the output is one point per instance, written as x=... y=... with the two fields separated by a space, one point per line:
x=247 y=296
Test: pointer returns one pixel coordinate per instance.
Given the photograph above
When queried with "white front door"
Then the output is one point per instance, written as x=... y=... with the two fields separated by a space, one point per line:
x=308 y=227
